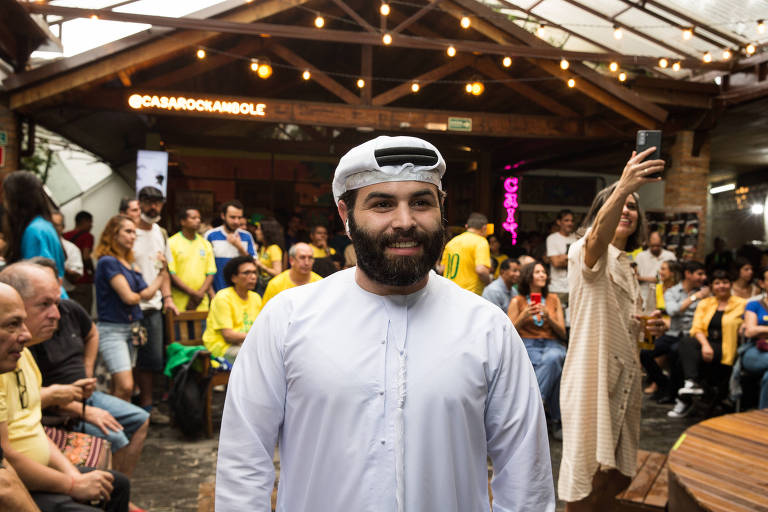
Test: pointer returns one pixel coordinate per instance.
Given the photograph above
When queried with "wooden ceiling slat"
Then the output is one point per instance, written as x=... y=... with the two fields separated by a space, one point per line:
x=415 y=16
x=423 y=80
x=359 y=19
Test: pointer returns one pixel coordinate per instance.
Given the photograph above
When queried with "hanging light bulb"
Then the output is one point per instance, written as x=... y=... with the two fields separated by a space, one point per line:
x=707 y=57
x=687 y=33
x=571 y=83
x=564 y=64
x=727 y=54
x=622 y=77
x=254 y=66
x=262 y=68
x=477 y=88
x=319 y=21
x=94 y=17
x=761 y=26
x=468 y=87
x=663 y=63
x=676 y=66
x=451 y=51
x=306 y=75
x=415 y=87
x=506 y=62
x=540 y=31
x=613 y=66
x=750 y=49
x=387 y=39
x=200 y=54
x=384 y=9
x=618 y=33
x=465 y=22
x=360 y=83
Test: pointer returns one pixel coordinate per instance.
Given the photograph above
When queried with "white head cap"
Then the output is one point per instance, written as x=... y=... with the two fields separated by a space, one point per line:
x=386 y=159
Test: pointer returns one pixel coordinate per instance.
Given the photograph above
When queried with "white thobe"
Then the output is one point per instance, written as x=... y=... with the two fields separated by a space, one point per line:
x=319 y=370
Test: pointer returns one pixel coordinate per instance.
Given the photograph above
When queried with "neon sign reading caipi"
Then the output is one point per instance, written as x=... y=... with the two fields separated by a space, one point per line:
x=510 y=203
x=211 y=106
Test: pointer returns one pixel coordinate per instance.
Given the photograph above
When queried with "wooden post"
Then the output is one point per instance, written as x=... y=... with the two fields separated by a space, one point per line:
x=366 y=70
x=11 y=140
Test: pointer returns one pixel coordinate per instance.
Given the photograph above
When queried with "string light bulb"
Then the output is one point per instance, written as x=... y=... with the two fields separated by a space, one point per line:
x=465 y=22
x=540 y=31
x=707 y=57
x=94 y=17
x=750 y=49
x=506 y=62
x=571 y=83
x=360 y=83
x=319 y=21
x=663 y=63
x=727 y=54
x=687 y=33
x=384 y=9
x=451 y=51
x=468 y=87
x=761 y=26
x=387 y=39
x=622 y=77
x=617 y=32
x=477 y=88
x=564 y=64
x=306 y=75
x=415 y=87
x=676 y=66
x=262 y=68
x=200 y=54
x=613 y=66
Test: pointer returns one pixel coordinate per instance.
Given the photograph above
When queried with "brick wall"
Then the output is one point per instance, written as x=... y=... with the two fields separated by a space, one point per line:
x=9 y=125
x=685 y=184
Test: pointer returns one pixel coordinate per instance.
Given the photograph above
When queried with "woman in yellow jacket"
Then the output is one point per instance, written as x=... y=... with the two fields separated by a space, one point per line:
x=707 y=355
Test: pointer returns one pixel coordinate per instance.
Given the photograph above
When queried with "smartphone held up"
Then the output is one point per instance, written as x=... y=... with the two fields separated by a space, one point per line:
x=647 y=139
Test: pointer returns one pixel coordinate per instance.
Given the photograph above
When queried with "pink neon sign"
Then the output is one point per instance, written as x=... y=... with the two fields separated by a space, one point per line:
x=510 y=203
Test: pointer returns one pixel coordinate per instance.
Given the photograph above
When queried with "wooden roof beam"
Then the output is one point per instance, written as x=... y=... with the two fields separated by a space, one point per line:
x=415 y=16
x=450 y=67
x=322 y=79
x=359 y=19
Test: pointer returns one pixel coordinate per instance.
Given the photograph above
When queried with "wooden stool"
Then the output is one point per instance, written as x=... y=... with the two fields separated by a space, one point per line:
x=648 y=490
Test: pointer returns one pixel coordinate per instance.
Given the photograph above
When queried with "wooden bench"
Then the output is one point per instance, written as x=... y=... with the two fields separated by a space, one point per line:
x=648 y=490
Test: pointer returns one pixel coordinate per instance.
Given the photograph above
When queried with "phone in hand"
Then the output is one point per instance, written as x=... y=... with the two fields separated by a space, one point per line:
x=647 y=139
x=535 y=298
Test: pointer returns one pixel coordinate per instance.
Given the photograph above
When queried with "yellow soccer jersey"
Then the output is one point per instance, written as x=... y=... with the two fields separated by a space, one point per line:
x=460 y=257
x=229 y=311
x=281 y=282
x=269 y=255
x=192 y=261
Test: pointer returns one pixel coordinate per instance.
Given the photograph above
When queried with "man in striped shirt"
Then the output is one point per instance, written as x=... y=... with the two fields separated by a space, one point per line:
x=229 y=241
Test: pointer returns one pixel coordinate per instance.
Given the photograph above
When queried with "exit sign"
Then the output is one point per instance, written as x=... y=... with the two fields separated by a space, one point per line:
x=460 y=124
x=3 y=138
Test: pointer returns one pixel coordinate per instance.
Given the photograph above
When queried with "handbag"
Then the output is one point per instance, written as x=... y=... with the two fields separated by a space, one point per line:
x=138 y=335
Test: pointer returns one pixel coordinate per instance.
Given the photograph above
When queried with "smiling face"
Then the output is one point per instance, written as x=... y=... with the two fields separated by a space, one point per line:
x=13 y=332
x=746 y=273
x=397 y=231
x=303 y=260
x=664 y=272
x=721 y=288
x=628 y=221
x=539 y=278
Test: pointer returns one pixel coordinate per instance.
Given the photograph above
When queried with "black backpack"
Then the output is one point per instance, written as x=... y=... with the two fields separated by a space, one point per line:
x=186 y=399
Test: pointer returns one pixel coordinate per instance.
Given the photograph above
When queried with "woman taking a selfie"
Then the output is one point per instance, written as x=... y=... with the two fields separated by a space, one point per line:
x=600 y=389
x=539 y=320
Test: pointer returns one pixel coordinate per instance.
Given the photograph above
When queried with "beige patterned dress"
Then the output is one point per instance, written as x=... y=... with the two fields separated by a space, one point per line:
x=600 y=389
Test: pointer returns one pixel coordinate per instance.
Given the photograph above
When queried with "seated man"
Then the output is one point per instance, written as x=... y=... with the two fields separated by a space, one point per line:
x=13 y=334
x=54 y=482
x=65 y=351
x=233 y=309
x=502 y=290
x=301 y=259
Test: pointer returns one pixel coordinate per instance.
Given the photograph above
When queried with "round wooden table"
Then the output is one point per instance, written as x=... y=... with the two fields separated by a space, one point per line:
x=721 y=464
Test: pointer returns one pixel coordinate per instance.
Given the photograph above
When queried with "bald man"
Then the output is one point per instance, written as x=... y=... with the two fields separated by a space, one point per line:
x=13 y=335
x=301 y=257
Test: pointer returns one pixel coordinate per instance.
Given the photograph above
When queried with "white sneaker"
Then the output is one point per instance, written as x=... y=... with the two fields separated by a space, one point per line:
x=690 y=388
x=680 y=410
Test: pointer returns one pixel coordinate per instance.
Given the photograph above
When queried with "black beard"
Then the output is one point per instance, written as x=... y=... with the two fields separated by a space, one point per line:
x=396 y=270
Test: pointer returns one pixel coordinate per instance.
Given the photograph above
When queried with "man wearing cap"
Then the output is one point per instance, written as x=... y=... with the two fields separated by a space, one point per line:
x=151 y=253
x=387 y=385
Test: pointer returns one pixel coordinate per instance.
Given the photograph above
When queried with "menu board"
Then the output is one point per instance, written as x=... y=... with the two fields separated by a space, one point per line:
x=679 y=231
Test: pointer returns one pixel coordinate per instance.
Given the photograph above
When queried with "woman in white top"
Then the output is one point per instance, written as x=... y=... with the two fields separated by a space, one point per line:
x=600 y=392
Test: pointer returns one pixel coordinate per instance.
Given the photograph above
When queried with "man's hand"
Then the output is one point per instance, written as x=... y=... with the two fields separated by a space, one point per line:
x=704 y=292
x=234 y=239
x=102 y=419
x=170 y=305
x=193 y=302
x=88 y=386
x=62 y=394
x=655 y=324
x=93 y=486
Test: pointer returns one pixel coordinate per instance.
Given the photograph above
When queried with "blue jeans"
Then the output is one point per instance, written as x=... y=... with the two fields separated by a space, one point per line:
x=547 y=357
x=130 y=416
x=755 y=361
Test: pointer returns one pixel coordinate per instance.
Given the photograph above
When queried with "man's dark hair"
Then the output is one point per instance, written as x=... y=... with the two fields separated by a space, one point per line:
x=124 y=202
x=234 y=203
x=150 y=193
x=83 y=216
x=562 y=213
x=692 y=266
x=526 y=277
x=184 y=213
x=636 y=239
x=26 y=199
x=233 y=267
x=476 y=220
x=315 y=227
x=720 y=274
x=506 y=263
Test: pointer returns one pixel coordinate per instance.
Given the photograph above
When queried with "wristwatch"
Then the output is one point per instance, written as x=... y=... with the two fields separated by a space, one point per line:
x=692 y=297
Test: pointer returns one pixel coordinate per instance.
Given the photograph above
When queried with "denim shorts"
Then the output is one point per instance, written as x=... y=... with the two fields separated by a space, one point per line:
x=130 y=416
x=150 y=356
x=114 y=347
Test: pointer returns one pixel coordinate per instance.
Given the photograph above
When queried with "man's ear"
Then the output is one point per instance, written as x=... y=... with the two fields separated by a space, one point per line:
x=344 y=214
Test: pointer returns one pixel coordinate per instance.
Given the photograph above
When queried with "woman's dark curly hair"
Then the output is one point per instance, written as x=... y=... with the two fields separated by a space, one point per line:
x=25 y=199
x=273 y=233
x=526 y=278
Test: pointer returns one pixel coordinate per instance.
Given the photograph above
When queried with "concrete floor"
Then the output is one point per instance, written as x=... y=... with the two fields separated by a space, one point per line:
x=172 y=467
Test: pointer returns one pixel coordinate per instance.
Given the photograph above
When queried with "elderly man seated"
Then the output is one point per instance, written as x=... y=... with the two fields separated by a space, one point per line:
x=65 y=350
x=233 y=309
x=301 y=258
x=54 y=482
